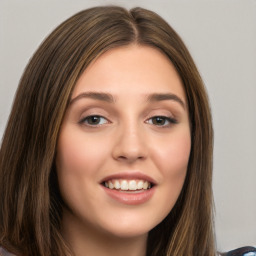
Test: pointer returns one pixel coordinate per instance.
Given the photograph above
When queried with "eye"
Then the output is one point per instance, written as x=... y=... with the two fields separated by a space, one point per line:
x=161 y=121
x=94 y=120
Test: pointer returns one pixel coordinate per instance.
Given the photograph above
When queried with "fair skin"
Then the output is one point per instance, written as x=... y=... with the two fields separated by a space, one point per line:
x=123 y=151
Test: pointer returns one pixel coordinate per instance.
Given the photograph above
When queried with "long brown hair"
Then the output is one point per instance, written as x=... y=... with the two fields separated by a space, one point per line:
x=31 y=207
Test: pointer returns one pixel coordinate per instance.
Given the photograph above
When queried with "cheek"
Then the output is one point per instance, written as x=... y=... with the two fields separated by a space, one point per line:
x=172 y=159
x=78 y=154
x=78 y=159
x=173 y=155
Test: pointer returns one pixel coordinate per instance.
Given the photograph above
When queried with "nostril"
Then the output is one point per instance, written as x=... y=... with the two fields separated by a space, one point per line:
x=130 y=158
x=122 y=157
x=129 y=148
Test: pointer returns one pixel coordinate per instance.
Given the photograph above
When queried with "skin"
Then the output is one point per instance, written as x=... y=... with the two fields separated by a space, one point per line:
x=126 y=140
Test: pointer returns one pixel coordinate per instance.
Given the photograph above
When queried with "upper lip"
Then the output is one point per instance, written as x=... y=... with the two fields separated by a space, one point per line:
x=129 y=175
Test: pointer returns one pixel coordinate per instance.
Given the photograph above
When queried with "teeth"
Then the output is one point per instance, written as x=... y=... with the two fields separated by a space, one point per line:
x=132 y=185
x=124 y=185
x=140 y=184
x=117 y=184
x=145 y=185
x=128 y=184
x=110 y=185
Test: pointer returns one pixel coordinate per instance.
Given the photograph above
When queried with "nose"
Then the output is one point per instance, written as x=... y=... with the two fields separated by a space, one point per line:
x=130 y=144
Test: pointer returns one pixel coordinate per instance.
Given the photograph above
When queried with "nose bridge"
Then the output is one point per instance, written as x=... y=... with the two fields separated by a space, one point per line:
x=130 y=143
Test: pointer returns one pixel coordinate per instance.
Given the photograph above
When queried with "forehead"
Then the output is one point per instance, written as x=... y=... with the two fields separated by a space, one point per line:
x=131 y=69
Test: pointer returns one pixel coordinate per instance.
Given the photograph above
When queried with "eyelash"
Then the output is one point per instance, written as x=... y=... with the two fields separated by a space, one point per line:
x=85 y=120
x=170 y=120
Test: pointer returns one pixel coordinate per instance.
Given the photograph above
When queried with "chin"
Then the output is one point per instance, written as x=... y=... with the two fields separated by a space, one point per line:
x=128 y=233
x=129 y=226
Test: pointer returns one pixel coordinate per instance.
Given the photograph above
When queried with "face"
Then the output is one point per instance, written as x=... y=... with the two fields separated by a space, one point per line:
x=124 y=143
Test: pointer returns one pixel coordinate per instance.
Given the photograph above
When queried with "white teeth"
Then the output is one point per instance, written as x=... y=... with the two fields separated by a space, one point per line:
x=117 y=184
x=125 y=185
x=132 y=185
x=110 y=185
x=140 y=184
x=145 y=185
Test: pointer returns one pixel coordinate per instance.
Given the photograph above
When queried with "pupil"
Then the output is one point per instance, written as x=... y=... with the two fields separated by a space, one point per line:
x=158 y=121
x=94 y=120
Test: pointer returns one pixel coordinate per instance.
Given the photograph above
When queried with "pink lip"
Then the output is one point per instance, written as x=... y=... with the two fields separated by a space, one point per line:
x=130 y=198
x=127 y=197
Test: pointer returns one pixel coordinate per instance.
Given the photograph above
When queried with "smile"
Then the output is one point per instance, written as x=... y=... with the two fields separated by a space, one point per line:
x=132 y=188
x=127 y=185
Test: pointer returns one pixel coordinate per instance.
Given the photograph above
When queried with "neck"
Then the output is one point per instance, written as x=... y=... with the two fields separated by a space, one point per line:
x=85 y=240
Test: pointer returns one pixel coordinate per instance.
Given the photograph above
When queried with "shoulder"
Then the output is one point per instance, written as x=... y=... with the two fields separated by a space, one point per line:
x=243 y=251
x=3 y=252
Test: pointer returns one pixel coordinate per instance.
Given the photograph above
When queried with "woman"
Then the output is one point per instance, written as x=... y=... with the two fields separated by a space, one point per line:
x=125 y=79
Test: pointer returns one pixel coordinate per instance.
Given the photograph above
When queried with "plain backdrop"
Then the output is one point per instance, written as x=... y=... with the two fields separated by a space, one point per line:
x=221 y=36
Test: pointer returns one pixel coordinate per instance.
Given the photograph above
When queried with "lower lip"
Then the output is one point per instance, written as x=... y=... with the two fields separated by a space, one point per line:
x=130 y=198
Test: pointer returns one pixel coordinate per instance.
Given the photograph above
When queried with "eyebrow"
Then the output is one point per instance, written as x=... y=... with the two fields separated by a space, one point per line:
x=166 y=96
x=94 y=95
x=106 y=97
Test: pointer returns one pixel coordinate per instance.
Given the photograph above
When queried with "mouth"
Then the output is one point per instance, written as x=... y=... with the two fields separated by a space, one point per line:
x=128 y=185
x=130 y=188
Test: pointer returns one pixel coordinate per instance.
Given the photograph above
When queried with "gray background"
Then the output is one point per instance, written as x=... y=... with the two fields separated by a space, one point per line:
x=221 y=36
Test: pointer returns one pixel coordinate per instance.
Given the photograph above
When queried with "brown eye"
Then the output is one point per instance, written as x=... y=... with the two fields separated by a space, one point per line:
x=94 y=120
x=161 y=121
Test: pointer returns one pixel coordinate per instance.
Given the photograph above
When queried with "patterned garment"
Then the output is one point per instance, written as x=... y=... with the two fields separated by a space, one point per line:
x=244 y=251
